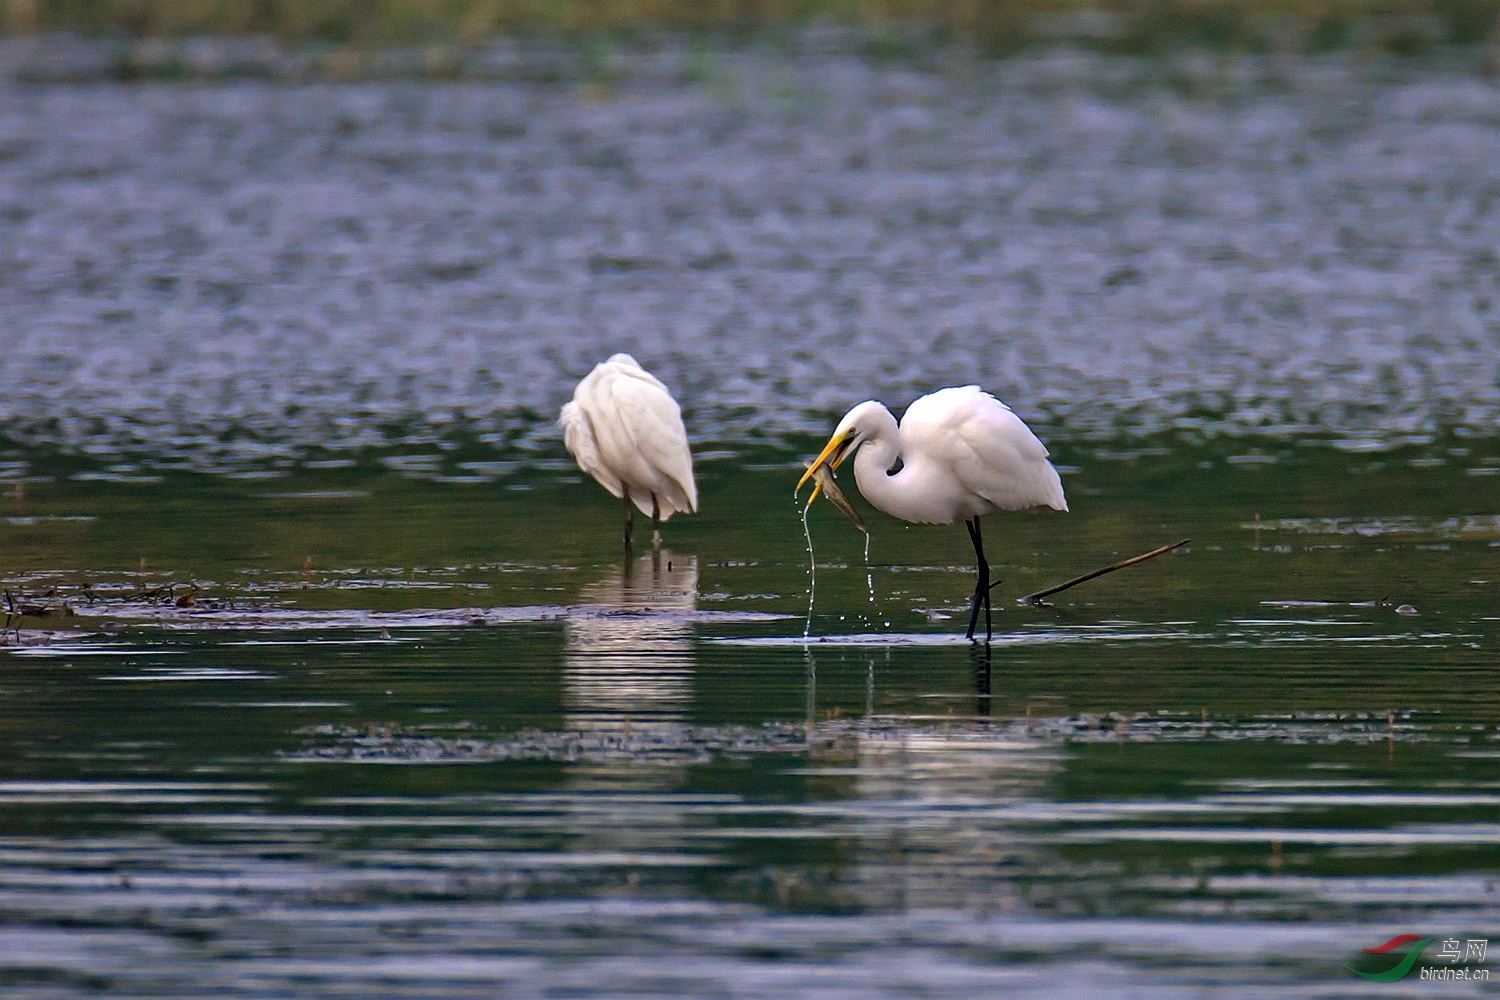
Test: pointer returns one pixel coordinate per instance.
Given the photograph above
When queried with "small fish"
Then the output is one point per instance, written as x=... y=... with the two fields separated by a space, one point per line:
x=823 y=480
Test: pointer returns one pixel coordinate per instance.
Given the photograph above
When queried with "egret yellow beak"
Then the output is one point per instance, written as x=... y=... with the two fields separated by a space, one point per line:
x=820 y=471
x=833 y=455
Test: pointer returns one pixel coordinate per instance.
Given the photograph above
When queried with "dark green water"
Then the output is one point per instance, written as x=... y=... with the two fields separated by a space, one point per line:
x=427 y=739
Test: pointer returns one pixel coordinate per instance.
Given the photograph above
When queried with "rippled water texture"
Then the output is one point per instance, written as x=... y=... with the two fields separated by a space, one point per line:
x=377 y=708
x=306 y=741
x=223 y=275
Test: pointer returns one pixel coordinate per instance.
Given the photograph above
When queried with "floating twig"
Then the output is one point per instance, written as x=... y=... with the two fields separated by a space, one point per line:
x=1037 y=597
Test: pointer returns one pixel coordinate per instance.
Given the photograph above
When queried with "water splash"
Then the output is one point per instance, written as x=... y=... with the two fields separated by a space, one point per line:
x=869 y=573
x=812 y=572
x=876 y=618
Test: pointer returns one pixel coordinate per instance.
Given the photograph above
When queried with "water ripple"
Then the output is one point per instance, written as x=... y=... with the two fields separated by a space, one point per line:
x=240 y=278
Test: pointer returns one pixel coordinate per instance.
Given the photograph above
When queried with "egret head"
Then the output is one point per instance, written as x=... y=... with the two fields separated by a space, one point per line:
x=851 y=432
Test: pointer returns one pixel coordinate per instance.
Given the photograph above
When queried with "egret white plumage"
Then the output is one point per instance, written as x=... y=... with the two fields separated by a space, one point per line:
x=625 y=429
x=962 y=452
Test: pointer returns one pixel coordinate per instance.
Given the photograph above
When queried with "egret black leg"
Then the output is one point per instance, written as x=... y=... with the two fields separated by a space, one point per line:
x=982 y=586
x=655 y=524
x=629 y=520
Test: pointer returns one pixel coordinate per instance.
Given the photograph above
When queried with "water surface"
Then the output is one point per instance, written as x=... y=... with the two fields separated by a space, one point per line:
x=424 y=761
x=324 y=675
x=244 y=275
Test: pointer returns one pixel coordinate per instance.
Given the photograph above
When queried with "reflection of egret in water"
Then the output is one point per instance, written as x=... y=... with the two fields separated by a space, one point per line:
x=962 y=805
x=937 y=815
x=628 y=661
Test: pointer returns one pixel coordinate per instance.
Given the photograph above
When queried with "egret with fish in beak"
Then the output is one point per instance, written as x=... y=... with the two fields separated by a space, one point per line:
x=962 y=453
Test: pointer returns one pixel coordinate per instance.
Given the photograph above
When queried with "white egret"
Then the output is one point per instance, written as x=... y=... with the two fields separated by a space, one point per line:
x=625 y=429
x=962 y=453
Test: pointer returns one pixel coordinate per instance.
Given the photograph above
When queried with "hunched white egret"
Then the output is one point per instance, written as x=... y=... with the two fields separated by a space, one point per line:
x=962 y=453
x=625 y=429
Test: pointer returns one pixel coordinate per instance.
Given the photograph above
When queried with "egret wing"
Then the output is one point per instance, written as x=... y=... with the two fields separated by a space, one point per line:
x=579 y=439
x=661 y=440
x=987 y=448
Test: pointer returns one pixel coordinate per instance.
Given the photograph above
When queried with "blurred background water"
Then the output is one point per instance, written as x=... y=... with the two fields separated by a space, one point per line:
x=249 y=274
x=323 y=674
